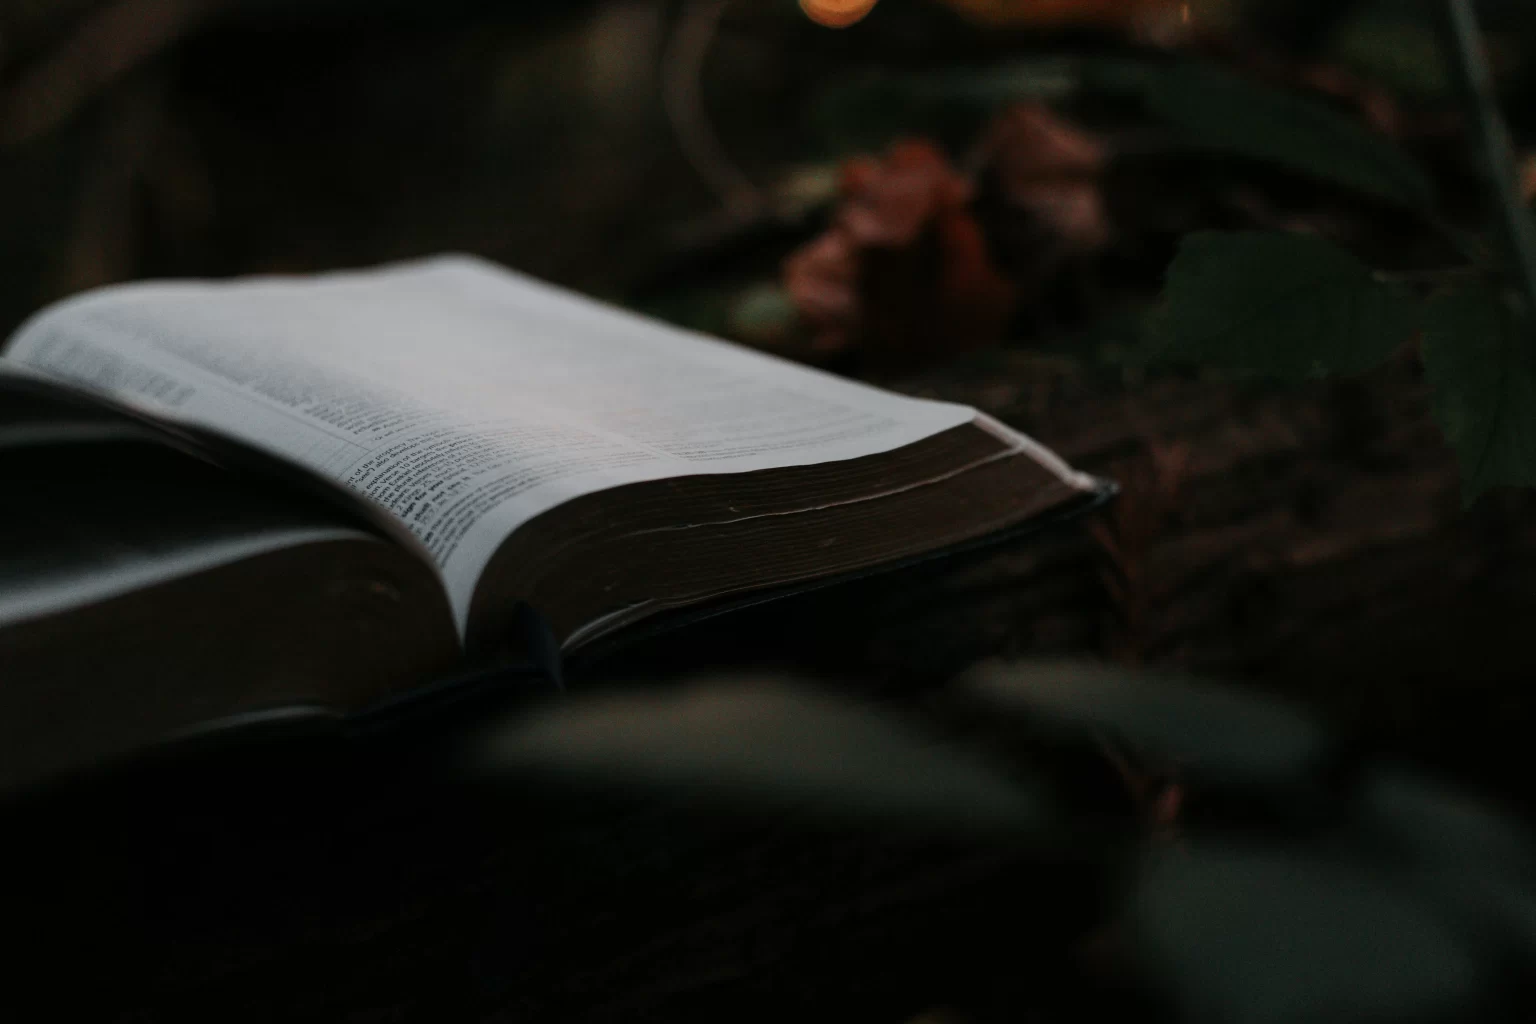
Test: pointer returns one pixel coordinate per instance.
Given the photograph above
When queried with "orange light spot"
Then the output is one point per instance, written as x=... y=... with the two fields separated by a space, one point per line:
x=836 y=13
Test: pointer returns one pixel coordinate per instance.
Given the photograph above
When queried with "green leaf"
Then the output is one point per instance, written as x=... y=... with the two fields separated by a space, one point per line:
x=1223 y=112
x=1219 y=735
x=1276 y=936
x=1478 y=358
x=762 y=314
x=864 y=111
x=1394 y=48
x=764 y=743
x=1284 y=304
x=1434 y=824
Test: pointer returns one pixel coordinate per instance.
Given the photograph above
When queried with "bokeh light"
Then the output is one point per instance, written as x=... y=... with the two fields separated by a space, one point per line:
x=836 y=13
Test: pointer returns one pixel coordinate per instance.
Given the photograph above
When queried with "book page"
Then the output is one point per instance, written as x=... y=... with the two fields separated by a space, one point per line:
x=463 y=398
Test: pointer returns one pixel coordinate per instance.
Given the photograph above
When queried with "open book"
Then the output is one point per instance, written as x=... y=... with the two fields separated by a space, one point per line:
x=482 y=445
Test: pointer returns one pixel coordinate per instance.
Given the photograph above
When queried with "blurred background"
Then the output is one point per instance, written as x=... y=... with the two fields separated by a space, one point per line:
x=971 y=199
x=597 y=144
x=975 y=200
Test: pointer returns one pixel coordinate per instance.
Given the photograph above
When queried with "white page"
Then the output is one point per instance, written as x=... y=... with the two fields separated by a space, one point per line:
x=462 y=397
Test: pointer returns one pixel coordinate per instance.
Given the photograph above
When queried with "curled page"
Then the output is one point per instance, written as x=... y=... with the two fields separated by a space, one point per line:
x=462 y=398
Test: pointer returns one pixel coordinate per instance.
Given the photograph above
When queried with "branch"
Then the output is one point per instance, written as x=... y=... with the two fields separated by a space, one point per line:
x=1475 y=77
x=682 y=95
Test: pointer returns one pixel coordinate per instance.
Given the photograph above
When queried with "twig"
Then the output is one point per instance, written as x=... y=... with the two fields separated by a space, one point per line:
x=682 y=96
x=1475 y=77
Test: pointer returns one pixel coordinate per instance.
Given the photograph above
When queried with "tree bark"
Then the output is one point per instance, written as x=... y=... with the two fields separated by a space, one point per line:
x=1308 y=539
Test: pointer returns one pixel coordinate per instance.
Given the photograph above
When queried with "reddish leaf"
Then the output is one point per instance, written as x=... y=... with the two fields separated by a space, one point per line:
x=904 y=270
x=1050 y=169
